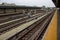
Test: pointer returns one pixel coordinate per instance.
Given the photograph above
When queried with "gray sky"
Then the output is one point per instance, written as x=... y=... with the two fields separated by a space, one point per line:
x=47 y=3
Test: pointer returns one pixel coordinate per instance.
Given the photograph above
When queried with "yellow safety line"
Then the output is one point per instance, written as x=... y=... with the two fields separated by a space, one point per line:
x=51 y=32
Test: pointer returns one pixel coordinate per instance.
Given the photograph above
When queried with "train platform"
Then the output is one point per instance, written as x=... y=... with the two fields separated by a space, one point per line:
x=51 y=32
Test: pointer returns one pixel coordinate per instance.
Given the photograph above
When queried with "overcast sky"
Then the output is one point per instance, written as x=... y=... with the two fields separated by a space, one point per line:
x=47 y=3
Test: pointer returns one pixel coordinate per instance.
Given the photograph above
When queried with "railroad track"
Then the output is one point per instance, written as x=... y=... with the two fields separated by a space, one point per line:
x=41 y=34
x=4 y=27
x=33 y=34
x=6 y=18
x=33 y=30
